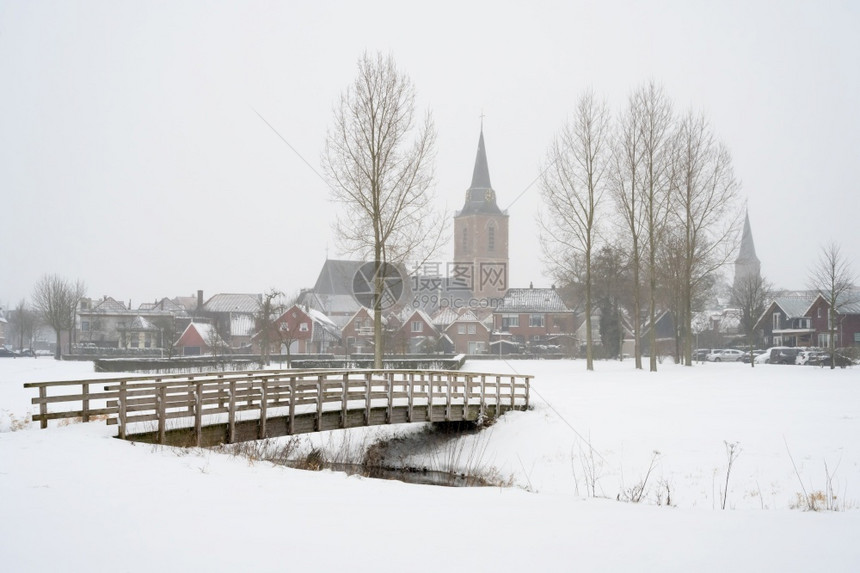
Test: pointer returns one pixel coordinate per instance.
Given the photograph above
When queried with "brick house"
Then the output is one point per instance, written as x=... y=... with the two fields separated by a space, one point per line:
x=785 y=322
x=466 y=333
x=357 y=334
x=199 y=339
x=847 y=325
x=534 y=316
x=301 y=330
x=417 y=334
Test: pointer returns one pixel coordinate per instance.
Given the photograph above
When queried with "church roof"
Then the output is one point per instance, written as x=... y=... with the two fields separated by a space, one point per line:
x=480 y=197
x=747 y=250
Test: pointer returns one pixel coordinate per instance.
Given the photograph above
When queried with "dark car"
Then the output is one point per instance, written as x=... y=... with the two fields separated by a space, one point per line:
x=28 y=352
x=823 y=359
x=783 y=355
x=6 y=353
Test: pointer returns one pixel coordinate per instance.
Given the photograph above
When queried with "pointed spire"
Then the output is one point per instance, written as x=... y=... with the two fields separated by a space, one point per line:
x=480 y=197
x=481 y=173
x=747 y=250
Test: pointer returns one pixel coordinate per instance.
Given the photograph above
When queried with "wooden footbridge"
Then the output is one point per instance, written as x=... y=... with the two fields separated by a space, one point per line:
x=214 y=408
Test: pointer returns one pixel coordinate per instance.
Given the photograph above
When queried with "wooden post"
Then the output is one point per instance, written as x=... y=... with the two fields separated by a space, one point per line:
x=368 y=380
x=468 y=381
x=344 y=412
x=390 y=379
x=122 y=409
x=292 y=404
x=430 y=399
x=410 y=391
x=498 y=395
x=318 y=421
x=513 y=391
x=528 y=384
x=43 y=407
x=483 y=395
x=85 y=403
x=161 y=412
x=264 y=397
x=447 y=397
x=231 y=413
x=198 y=413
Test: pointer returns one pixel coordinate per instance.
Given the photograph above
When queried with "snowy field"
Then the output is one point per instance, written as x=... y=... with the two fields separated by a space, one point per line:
x=73 y=499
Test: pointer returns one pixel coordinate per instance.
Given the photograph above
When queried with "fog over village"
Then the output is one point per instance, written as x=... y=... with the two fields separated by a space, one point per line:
x=509 y=285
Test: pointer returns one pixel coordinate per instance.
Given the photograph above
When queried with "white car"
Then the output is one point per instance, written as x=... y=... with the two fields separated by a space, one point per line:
x=725 y=355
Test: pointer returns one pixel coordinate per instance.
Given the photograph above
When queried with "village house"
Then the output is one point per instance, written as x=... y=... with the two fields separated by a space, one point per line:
x=200 y=339
x=535 y=316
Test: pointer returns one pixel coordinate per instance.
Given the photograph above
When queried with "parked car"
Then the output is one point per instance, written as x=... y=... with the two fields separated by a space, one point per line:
x=765 y=357
x=6 y=353
x=809 y=356
x=746 y=357
x=27 y=352
x=701 y=354
x=783 y=355
x=725 y=355
x=822 y=358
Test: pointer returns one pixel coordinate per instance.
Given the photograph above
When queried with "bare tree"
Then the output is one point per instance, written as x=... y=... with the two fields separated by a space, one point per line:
x=626 y=175
x=655 y=125
x=704 y=214
x=56 y=300
x=379 y=166
x=834 y=279
x=572 y=187
x=751 y=293
x=270 y=308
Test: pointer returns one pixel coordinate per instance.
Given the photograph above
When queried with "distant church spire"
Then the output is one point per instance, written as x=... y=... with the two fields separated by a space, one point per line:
x=747 y=263
x=480 y=197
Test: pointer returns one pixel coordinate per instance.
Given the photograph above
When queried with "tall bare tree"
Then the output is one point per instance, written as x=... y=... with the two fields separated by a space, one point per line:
x=655 y=125
x=704 y=214
x=834 y=279
x=751 y=293
x=56 y=300
x=572 y=187
x=380 y=168
x=626 y=177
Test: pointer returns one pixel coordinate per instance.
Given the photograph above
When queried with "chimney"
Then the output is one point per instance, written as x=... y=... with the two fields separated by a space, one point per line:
x=199 y=300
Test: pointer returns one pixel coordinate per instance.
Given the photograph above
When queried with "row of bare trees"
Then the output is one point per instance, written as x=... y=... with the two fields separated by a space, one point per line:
x=656 y=187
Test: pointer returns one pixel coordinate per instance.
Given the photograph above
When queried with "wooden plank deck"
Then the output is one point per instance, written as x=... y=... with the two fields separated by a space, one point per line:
x=214 y=408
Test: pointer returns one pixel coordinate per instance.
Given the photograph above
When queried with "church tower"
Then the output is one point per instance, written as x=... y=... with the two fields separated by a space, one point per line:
x=481 y=235
x=747 y=263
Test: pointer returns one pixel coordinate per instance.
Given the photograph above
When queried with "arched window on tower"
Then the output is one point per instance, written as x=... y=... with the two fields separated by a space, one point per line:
x=465 y=239
x=491 y=238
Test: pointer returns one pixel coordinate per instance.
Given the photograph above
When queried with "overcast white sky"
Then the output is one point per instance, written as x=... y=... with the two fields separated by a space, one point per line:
x=131 y=156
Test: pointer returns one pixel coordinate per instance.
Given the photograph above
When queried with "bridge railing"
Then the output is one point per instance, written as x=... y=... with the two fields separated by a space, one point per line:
x=195 y=401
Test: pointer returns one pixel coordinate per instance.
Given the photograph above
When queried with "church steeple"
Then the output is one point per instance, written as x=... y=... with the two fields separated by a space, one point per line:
x=747 y=255
x=747 y=265
x=481 y=234
x=480 y=197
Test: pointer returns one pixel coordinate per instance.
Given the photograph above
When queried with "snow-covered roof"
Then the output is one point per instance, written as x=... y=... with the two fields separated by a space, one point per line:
x=139 y=323
x=109 y=304
x=247 y=303
x=532 y=300
x=794 y=306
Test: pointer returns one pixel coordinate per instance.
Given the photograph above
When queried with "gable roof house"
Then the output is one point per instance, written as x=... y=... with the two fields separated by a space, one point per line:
x=233 y=315
x=199 y=339
x=535 y=316
x=417 y=334
x=466 y=333
x=847 y=327
x=301 y=330
x=785 y=322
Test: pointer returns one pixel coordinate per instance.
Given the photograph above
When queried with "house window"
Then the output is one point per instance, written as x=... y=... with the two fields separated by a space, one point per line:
x=491 y=238
x=819 y=312
x=417 y=326
x=303 y=327
x=147 y=340
x=461 y=329
x=473 y=329
x=824 y=340
x=509 y=320
x=776 y=321
x=85 y=325
x=536 y=320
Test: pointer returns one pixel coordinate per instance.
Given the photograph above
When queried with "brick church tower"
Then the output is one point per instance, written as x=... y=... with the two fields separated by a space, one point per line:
x=481 y=234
